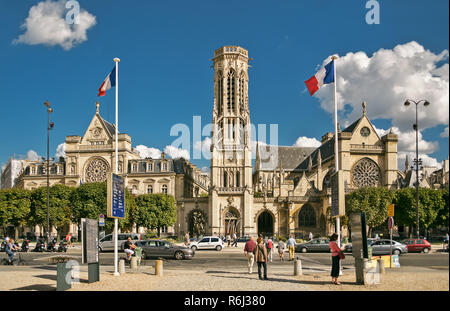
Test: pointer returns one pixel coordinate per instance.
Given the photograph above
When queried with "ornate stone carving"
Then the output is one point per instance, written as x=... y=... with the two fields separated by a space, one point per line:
x=96 y=170
x=365 y=174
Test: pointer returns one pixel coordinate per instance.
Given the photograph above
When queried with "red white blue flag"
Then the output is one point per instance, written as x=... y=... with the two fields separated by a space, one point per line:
x=323 y=76
x=109 y=82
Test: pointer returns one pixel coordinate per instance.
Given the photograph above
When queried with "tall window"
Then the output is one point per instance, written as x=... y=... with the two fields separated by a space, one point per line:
x=164 y=167
x=150 y=189
x=225 y=179
x=231 y=91
x=307 y=217
x=134 y=167
x=241 y=91
x=164 y=189
x=238 y=176
x=219 y=93
x=150 y=167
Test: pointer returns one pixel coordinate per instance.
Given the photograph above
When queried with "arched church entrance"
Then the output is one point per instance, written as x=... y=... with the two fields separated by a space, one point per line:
x=265 y=224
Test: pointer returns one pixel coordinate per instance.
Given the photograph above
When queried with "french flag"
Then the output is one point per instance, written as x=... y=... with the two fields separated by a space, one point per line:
x=323 y=76
x=109 y=82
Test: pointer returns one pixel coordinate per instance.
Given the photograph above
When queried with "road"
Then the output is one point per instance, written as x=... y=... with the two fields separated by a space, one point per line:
x=233 y=258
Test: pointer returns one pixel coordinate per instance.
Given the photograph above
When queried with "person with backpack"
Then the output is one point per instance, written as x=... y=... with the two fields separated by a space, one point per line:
x=269 y=246
x=260 y=253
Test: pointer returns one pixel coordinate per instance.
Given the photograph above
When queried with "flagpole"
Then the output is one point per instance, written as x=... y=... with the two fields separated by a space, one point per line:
x=116 y=222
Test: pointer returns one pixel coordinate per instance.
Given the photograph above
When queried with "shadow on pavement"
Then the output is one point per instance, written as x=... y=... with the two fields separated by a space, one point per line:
x=39 y=287
x=51 y=268
x=47 y=276
x=271 y=279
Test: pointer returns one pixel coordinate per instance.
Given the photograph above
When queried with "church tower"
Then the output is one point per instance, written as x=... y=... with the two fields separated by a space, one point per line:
x=231 y=197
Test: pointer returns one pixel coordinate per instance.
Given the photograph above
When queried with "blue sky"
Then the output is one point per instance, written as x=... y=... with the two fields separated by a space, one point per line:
x=165 y=78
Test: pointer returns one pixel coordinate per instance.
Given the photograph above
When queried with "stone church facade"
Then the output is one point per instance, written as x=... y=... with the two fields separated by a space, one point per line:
x=286 y=192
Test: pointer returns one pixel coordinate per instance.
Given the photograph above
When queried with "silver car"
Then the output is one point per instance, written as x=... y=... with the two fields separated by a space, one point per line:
x=160 y=248
x=315 y=245
x=107 y=242
x=382 y=247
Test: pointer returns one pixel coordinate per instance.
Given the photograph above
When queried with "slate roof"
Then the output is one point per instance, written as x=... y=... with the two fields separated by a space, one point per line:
x=110 y=127
x=352 y=126
x=286 y=157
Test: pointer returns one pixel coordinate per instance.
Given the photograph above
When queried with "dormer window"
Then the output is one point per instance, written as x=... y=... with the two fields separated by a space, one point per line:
x=150 y=167
x=33 y=170
x=134 y=167
x=164 y=166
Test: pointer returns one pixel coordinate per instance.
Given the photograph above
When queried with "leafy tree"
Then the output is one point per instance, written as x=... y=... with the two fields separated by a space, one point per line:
x=15 y=208
x=373 y=201
x=442 y=218
x=59 y=206
x=155 y=211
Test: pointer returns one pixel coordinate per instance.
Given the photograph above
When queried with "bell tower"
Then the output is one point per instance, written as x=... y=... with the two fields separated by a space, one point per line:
x=231 y=162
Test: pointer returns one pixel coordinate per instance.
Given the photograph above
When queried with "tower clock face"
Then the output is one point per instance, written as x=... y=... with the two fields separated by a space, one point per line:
x=365 y=131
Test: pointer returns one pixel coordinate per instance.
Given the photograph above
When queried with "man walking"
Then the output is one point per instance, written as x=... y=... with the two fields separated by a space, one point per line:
x=234 y=240
x=248 y=251
x=260 y=252
x=291 y=247
x=269 y=246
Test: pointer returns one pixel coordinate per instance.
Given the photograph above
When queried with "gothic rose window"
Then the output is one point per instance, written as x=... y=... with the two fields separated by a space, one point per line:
x=96 y=170
x=365 y=174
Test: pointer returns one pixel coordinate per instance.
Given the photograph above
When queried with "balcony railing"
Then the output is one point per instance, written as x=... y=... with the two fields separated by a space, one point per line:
x=230 y=189
x=366 y=148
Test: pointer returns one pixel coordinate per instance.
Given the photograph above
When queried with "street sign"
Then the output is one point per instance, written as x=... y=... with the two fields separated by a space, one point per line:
x=337 y=194
x=390 y=223
x=391 y=210
x=116 y=196
x=101 y=220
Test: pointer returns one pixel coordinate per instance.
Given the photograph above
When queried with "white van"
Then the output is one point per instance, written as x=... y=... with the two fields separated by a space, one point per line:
x=207 y=242
x=107 y=243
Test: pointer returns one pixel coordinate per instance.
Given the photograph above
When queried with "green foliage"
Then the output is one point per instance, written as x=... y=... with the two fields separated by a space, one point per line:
x=15 y=206
x=155 y=211
x=373 y=201
x=443 y=215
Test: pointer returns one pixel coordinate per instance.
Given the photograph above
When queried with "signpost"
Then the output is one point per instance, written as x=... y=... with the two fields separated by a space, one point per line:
x=89 y=248
x=390 y=227
x=115 y=207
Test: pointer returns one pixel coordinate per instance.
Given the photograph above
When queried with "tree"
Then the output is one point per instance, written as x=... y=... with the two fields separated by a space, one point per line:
x=15 y=207
x=442 y=219
x=59 y=206
x=155 y=211
x=373 y=201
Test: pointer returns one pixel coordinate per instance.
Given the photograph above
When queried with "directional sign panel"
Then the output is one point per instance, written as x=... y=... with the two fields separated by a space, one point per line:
x=391 y=210
x=116 y=196
x=337 y=194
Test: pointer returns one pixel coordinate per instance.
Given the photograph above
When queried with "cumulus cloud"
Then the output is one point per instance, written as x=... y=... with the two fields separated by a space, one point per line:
x=386 y=79
x=203 y=146
x=32 y=156
x=445 y=132
x=148 y=152
x=60 y=151
x=176 y=153
x=46 y=24
x=427 y=161
x=304 y=141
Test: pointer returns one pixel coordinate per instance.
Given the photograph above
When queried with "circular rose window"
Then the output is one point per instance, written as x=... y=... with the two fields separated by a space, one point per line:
x=96 y=170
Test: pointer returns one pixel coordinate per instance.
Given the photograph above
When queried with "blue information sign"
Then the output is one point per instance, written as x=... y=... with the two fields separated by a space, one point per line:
x=117 y=197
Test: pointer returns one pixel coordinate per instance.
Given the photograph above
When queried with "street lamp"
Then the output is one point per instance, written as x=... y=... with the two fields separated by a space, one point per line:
x=417 y=161
x=49 y=127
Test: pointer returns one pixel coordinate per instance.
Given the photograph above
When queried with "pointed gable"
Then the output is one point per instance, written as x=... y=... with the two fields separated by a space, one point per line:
x=99 y=130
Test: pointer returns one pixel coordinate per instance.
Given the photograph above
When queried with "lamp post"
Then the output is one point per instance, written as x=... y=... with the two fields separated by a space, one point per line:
x=417 y=161
x=49 y=127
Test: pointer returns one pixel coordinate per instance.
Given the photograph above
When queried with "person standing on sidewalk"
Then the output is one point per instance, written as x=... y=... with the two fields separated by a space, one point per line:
x=248 y=251
x=234 y=240
x=260 y=252
x=269 y=246
x=336 y=256
x=281 y=249
x=291 y=247
x=228 y=239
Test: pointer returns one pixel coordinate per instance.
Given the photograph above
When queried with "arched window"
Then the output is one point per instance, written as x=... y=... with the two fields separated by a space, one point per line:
x=225 y=179
x=365 y=173
x=231 y=87
x=241 y=91
x=164 y=189
x=307 y=217
x=238 y=177
x=149 y=189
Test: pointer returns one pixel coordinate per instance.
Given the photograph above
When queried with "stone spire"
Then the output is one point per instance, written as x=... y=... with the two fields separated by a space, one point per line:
x=407 y=164
x=364 y=106
x=97 y=105
x=310 y=164
x=319 y=159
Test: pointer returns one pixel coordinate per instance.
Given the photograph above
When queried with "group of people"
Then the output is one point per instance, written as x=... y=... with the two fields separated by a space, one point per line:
x=232 y=241
x=261 y=252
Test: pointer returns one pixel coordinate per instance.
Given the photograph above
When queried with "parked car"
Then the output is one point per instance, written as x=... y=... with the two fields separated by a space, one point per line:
x=243 y=239
x=107 y=242
x=160 y=248
x=207 y=242
x=348 y=247
x=417 y=245
x=315 y=245
x=382 y=247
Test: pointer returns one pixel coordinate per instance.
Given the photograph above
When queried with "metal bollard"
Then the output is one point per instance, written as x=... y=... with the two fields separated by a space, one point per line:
x=122 y=266
x=298 y=267
x=133 y=263
x=381 y=265
x=159 y=267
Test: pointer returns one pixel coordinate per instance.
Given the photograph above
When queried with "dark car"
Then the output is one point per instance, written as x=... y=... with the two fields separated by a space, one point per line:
x=417 y=245
x=160 y=248
x=243 y=239
x=315 y=245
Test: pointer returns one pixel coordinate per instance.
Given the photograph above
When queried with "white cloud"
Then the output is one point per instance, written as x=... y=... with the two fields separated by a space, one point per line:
x=204 y=146
x=426 y=160
x=445 y=132
x=205 y=169
x=176 y=153
x=386 y=79
x=304 y=141
x=33 y=156
x=46 y=24
x=148 y=152
x=60 y=151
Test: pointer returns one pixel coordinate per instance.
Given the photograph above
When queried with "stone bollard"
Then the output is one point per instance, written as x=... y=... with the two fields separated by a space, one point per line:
x=122 y=266
x=381 y=265
x=298 y=267
x=133 y=263
x=159 y=267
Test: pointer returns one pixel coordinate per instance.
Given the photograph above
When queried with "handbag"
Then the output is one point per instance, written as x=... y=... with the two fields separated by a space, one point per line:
x=341 y=255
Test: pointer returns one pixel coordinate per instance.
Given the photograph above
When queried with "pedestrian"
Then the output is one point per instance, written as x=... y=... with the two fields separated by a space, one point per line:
x=248 y=252
x=10 y=249
x=234 y=239
x=228 y=239
x=336 y=257
x=186 y=239
x=311 y=236
x=269 y=246
x=260 y=253
x=68 y=239
x=291 y=247
x=280 y=247
x=128 y=247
